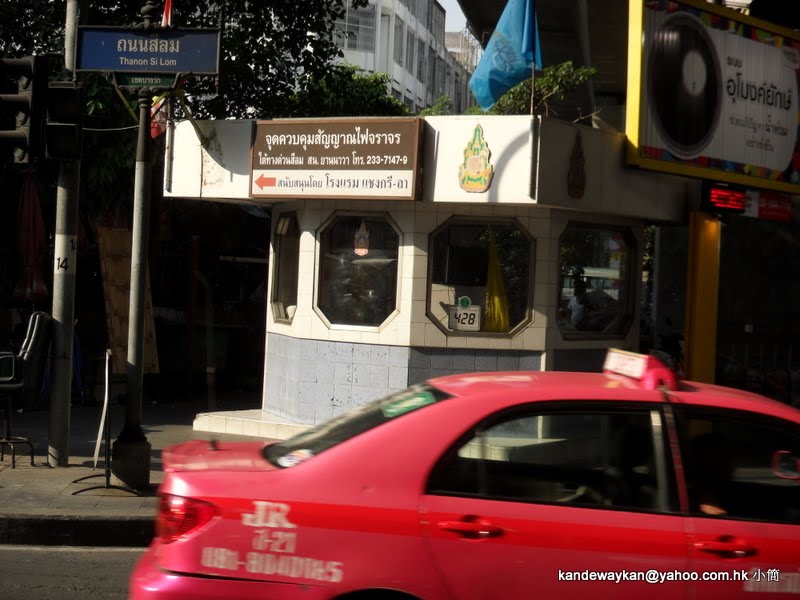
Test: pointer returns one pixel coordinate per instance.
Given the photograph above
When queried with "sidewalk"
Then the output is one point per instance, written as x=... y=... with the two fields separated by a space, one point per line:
x=38 y=504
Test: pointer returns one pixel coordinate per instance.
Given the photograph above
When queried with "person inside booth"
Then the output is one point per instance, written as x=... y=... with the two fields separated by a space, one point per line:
x=579 y=305
x=591 y=309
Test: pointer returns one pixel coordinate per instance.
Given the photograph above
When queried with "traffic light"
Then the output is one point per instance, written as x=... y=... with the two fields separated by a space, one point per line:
x=63 y=128
x=21 y=110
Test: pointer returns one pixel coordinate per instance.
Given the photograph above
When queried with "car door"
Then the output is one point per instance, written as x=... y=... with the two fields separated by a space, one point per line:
x=744 y=527
x=557 y=501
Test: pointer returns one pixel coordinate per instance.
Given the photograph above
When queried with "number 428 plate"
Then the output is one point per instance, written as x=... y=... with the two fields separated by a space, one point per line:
x=465 y=319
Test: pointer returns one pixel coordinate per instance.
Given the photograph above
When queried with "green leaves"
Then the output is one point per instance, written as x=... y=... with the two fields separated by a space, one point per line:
x=345 y=91
x=442 y=106
x=31 y=27
x=553 y=84
x=271 y=50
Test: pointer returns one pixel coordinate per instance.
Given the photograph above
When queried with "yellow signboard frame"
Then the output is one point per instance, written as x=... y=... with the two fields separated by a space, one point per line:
x=636 y=108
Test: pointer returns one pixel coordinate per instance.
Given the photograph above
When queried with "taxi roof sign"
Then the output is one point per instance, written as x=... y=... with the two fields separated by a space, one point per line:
x=647 y=369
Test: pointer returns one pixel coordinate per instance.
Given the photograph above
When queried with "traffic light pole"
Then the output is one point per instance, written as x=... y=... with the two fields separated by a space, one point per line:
x=64 y=269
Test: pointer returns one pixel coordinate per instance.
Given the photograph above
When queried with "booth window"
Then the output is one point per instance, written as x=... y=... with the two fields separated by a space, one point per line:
x=287 y=263
x=596 y=287
x=480 y=276
x=358 y=270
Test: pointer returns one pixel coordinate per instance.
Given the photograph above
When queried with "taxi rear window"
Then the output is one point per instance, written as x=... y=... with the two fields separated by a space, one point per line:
x=309 y=443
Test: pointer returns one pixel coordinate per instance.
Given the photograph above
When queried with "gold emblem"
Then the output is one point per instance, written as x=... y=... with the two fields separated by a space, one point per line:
x=475 y=173
x=361 y=242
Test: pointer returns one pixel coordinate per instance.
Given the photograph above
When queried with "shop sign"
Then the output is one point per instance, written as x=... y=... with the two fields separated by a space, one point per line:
x=713 y=94
x=757 y=204
x=372 y=158
x=768 y=206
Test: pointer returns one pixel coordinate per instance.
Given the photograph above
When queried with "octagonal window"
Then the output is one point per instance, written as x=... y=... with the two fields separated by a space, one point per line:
x=358 y=270
x=480 y=274
x=596 y=287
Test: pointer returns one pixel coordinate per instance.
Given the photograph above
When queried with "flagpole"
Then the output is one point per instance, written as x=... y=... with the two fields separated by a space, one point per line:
x=533 y=62
x=533 y=81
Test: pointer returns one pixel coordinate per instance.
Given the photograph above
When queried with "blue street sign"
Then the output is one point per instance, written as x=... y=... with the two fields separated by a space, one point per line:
x=118 y=49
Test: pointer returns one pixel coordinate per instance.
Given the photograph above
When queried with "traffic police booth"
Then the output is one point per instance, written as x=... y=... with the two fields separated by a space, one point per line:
x=404 y=249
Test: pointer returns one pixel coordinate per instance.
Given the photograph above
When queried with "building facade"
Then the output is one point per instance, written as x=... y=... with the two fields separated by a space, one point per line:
x=406 y=40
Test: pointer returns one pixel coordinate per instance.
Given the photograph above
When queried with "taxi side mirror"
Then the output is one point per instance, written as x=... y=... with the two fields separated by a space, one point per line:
x=786 y=465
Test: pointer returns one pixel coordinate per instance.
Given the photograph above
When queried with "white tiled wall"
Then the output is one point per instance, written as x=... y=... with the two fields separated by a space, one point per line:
x=416 y=221
x=409 y=327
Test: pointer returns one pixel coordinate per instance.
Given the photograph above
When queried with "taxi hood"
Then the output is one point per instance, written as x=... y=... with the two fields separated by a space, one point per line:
x=204 y=455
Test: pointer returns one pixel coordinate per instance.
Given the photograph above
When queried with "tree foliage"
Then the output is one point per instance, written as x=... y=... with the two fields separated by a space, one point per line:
x=32 y=27
x=346 y=91
x=269 y=47
x=553 y=84
x=109 y=148
x=442 y=106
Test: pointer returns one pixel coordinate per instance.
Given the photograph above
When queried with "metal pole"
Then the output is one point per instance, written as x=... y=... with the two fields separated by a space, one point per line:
x=131 y=456
x=131 y=452
x=64 y=269
x=140 y=244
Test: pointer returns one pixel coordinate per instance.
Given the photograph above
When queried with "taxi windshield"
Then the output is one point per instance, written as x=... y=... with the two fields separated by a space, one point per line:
x=308 y=444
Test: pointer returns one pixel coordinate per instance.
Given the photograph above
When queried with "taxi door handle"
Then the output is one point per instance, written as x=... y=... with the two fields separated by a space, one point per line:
x=725 y=549
x=473 y=529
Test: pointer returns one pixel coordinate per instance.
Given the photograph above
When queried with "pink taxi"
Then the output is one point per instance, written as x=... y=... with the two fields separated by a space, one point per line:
x=508 y=485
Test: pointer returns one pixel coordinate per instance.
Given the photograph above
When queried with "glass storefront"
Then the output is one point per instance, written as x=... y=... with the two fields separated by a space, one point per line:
x=596 y=287
x=758 y=327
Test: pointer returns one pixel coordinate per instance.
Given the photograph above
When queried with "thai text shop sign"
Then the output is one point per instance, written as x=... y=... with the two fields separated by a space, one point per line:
x=717 y=92
x=336 y=158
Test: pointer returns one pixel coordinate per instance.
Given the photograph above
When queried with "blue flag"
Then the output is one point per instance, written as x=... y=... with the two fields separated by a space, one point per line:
x=512 y=49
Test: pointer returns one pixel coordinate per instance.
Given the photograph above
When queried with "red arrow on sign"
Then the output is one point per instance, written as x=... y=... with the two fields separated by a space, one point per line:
x=263 y=182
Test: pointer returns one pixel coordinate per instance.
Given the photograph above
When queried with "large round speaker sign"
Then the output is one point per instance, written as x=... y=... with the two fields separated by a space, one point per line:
x=685 y=97
x=718 y=92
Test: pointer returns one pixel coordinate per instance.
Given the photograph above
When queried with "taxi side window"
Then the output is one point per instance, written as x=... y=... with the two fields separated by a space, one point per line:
x=598 y=459
x=729 y=464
